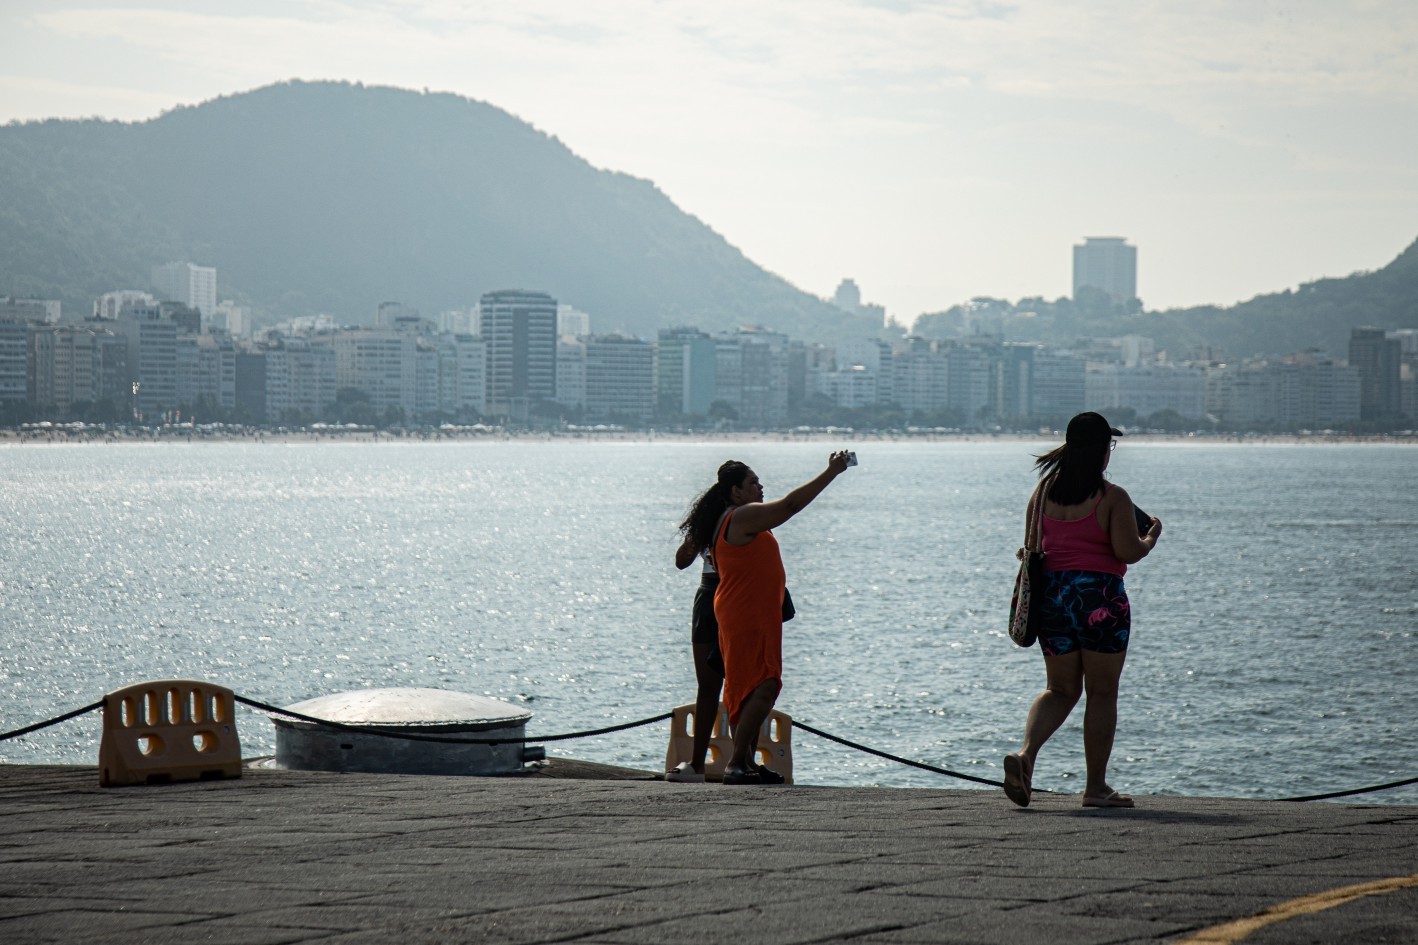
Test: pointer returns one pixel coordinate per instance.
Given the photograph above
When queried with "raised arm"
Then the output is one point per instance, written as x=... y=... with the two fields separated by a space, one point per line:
x=1128 y=546
x=748 y=520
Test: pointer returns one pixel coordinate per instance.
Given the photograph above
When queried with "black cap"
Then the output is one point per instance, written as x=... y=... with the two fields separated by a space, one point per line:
x=1090 y=427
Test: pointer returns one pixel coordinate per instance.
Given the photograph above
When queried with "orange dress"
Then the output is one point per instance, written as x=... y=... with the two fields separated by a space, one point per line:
x=749 y=608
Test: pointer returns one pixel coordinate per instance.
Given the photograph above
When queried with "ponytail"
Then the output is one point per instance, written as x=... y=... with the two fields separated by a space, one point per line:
x=704 y=513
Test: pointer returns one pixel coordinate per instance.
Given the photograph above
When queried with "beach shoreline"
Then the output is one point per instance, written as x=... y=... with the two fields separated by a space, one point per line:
x=62 y=436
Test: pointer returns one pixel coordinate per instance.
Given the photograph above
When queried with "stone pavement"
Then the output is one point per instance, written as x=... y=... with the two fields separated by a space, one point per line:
x=340 y=859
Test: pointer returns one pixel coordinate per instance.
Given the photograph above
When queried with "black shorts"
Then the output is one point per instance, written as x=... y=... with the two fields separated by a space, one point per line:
x=703 y=626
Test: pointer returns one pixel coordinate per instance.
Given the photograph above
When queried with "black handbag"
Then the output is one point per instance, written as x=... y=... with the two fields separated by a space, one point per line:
x=1025 y=606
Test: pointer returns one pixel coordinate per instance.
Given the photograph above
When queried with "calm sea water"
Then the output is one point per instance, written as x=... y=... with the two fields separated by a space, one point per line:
x=1275 y=642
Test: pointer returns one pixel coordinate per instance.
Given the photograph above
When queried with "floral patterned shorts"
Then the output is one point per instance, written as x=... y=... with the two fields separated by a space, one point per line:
x=1084 y=610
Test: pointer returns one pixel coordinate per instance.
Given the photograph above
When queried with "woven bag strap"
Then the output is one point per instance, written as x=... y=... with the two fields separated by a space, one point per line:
x=1033 y=537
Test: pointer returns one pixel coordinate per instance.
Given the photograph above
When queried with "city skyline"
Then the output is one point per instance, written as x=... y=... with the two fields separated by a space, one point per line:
x=931 y=152
x=158 y=361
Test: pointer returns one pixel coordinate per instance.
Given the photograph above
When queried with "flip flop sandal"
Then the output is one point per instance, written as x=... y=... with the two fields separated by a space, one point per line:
x=1017 y=779
x=751 y=776
x=1112 y=800
x=769 y=776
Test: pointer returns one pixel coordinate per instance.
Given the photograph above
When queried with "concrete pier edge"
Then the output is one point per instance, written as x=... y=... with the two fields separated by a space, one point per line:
x=287 y=856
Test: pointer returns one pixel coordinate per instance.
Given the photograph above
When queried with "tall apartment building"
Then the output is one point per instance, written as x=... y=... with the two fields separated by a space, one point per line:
x=1057 y=386
x=1407 y=339
x=298 y=380
x=462 y=375
x=519 y=329
x=251 y=383
x=152 y=359
x=751 y=375
x=970 y=372
x=852 y=387
x=428 y=387
x=1016 y=376
x=1378 y=359
x=809 y=367
x=186 y=283
x=1310 y=393
x=382 y=363
x=1107 y=263
x=1243 y=395
x=15 y=321
x=684 y=372
x=1317 y=394
x=571 y=373
x=61 y=367
x=864 y=374
x=620 y=378
x=920 y=385
x=572 y=321
x=1147 y=389
x=73 y=364
x=206 y=371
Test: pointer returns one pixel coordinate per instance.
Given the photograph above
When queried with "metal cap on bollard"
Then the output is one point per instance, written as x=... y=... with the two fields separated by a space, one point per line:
x=304 y=746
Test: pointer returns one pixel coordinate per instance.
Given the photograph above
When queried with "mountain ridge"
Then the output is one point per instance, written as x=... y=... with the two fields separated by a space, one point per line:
x=333 y=197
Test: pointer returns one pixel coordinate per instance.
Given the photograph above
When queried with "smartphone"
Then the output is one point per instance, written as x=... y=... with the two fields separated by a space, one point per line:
x=1144 y=521
x=851 y=458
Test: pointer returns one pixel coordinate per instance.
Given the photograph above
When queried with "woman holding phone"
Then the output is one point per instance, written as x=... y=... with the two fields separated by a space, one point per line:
x=734 y=525
x=1090 y=532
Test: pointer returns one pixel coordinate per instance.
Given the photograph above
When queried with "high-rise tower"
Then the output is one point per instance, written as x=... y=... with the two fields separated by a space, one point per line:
x=191 y=285
x=519 y=329
x=1107 y=263
x=1379 y=360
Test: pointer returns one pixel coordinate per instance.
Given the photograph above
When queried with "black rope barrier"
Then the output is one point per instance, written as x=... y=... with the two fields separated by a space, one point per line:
x=1351 y=793
x=446 y=739
x=623 y=726
x=48 y=722
x=905 y=761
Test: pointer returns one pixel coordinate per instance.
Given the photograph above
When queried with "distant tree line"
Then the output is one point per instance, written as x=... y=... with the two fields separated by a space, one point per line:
x=352 y=406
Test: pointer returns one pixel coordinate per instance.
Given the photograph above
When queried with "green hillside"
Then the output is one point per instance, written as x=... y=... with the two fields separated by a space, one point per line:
x=330 y=197
x=1317 y=315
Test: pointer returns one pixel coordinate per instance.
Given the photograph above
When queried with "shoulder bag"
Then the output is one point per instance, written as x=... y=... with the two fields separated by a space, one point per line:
x=1025 y=606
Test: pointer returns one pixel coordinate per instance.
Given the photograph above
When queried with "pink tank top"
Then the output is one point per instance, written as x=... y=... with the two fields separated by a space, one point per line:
x=1080 y=545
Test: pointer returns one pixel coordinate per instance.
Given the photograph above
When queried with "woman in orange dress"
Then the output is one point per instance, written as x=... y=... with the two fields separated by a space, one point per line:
x=732 y=520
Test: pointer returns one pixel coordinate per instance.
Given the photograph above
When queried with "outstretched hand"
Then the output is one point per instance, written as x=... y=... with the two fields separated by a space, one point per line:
x=837 y=462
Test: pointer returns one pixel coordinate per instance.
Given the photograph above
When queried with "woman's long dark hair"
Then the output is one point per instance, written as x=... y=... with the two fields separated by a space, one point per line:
x=704 y=514
x=1079 y=469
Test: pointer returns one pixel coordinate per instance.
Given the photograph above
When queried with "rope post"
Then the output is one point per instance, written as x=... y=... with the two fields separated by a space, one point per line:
x=168 y=730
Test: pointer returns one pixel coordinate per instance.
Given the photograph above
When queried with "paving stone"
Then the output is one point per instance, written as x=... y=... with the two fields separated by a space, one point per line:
x=285 y=857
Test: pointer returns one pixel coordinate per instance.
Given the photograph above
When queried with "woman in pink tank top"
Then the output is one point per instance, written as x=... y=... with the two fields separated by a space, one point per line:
x=1089 y=532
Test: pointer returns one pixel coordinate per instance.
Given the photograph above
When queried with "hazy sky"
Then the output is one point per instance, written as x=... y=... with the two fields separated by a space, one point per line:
x=933 y=151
